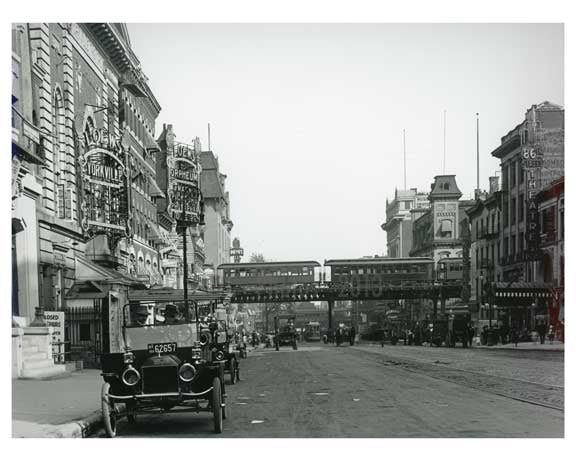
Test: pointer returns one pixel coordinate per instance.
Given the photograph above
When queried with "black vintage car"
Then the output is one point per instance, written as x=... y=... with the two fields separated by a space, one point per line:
x=439 y=331
x=459 y=330
x=227 y=351
x=285 y=332
x=168 y=361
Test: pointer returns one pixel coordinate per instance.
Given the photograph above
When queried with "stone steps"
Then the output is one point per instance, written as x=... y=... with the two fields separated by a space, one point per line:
x=35 y=356
x=35 y=364
x=44 y=373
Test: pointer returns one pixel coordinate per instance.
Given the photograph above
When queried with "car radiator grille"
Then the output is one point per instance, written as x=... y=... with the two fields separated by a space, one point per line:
x=157 y=380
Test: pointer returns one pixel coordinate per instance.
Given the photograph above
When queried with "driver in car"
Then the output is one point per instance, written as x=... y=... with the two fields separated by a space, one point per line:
x=172 y=315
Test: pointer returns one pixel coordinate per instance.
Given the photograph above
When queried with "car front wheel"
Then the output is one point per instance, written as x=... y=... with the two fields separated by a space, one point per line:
x=217 y=405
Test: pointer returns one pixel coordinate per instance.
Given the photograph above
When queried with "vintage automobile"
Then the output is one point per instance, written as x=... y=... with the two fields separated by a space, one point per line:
x=459 y=330
x=439 y=331
x=285 y=333
x=168 y=361
x=227 y=352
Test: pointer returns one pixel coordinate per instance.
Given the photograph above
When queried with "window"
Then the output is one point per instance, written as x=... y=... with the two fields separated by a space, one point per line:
x=512 y=175
x=445 y=230
x=520 y=173
x=513 y=211
x=85 y=331
x=505 y=177
x=477 y=259
x=407 y=204
x=521 y=243
x=512 y=244
x=505 y=212
x=505 y=247
x=62 y=195
x=521 y=208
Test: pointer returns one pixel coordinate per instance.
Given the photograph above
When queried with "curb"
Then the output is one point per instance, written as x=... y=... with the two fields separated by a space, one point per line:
x=78 y=429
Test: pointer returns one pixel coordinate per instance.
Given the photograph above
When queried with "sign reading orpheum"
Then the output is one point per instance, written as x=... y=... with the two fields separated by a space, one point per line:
x=104 y=173
x=183 y=175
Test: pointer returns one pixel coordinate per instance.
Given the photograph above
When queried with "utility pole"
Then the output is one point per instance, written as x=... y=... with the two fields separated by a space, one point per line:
x=404 y=142
x=209 y=137
x=477 y=153
x=444 y=153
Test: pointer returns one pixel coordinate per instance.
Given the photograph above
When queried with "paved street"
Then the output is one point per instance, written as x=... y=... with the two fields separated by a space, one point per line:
x=394 y=391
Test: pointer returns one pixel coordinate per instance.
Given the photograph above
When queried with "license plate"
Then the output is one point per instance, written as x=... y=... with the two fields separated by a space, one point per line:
x=161 y=348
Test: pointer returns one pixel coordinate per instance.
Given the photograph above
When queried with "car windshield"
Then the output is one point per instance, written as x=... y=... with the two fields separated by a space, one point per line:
x=150 y=314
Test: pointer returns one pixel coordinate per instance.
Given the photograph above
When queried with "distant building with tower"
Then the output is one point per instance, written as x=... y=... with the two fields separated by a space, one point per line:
x=436 y=232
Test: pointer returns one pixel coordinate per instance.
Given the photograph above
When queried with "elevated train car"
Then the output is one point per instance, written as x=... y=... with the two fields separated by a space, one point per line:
x=268 y=273
x=449 y=269
x=384 y=270
x=391 y=271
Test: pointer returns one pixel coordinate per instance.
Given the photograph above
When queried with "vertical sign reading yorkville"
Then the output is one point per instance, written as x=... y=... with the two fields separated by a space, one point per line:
x=104 y=172
x=183 y=176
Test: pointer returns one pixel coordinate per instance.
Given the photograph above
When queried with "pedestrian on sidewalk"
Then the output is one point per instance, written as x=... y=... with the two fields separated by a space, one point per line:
x=551 y=333
x=541 y=330
x=514 y=336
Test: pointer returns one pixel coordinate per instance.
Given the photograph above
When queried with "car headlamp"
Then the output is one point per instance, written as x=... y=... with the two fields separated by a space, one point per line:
x=128 y=357
x=130 y=377
x=204 y=338
x=219 y=355
x=187 y=372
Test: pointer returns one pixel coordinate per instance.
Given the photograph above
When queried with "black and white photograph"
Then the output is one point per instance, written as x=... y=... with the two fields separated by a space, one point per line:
x=286 y=229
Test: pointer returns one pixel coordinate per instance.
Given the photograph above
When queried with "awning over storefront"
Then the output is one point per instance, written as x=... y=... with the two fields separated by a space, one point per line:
x=87 y=270
x=172 y=294
x=520 y=293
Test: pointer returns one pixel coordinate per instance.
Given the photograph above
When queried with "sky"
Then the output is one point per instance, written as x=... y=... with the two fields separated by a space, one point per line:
x=307 y=119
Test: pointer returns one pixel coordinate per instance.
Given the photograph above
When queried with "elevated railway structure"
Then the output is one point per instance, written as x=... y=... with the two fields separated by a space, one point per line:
x=342 y=280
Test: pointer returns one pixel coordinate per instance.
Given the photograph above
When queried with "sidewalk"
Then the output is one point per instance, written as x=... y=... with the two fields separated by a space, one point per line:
x=556 y=346
x=62 y=407
x=528 y=346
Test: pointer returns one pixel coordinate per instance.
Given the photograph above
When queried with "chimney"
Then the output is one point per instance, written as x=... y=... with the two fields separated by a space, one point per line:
x=494 y=186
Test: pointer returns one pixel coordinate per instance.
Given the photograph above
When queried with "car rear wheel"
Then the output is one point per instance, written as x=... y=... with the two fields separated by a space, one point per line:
x=217 y=405
x=233 y=367
x=109 y=412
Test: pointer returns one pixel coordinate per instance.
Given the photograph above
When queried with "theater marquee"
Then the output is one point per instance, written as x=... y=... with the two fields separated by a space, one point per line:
x=532 y=164
x=104 y=175
x=183 y=175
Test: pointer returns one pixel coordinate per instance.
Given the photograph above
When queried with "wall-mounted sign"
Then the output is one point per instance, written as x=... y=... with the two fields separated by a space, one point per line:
x=532 y=163
x=184 y=198
x=56 y=321
x=104 y=175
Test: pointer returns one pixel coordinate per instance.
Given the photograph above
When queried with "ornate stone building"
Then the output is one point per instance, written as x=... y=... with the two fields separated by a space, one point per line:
x=398 y=225
x=437 y=230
